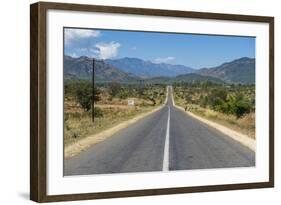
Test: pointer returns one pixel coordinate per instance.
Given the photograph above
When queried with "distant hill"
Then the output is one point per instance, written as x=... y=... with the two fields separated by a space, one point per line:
x=147 y=69
x=238 y=71
x=194 y=78
x=186 y=78
x=135 y=70
x=81 y=68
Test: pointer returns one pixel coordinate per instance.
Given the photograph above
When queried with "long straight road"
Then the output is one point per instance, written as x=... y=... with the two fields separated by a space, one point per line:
x=166 y=140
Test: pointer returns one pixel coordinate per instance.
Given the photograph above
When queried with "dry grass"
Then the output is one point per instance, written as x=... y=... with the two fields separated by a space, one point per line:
x=244 y=125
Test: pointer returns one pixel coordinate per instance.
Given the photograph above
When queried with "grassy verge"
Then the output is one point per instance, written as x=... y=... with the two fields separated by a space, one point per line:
x=244 y=125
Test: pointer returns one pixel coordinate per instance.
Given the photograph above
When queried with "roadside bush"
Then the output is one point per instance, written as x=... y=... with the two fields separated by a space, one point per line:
x=123 y=94
x=83 y=94
x=140 y=92
x=217 y=98
x=151 y=98
x=96 y=94
x=238 y=105
x=188 y=98
x=203 y=101
x=98 y=112
x=114 y=89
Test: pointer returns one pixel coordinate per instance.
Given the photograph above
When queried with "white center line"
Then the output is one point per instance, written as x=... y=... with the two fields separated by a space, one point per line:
x=166 y=148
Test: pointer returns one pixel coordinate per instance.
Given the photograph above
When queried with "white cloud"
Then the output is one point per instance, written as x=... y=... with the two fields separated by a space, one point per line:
x=164 y=60
x=134 y=48
x=107 y=50
x=73 y=55
x=74 y=34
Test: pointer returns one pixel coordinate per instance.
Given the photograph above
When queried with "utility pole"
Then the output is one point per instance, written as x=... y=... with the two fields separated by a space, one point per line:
x=93 y=91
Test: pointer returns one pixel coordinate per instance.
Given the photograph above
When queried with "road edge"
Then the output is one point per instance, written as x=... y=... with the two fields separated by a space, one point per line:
x=85 y=143
x=241 y=138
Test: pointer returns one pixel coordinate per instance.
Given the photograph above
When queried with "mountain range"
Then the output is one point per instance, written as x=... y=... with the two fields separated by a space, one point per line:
x=81 y=68
x=132 y=70
x=148 y=69
x=241 y=70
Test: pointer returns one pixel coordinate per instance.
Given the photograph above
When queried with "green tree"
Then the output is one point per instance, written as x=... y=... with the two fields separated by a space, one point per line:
x=188 y=99
x=217 y=98
x=238 y=105
x=140 y=91
x=114 y=89
x=83 y=94
x=203 y=101
x=96 y=94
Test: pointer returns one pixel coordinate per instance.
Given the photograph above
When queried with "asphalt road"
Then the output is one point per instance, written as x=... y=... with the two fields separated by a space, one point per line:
x=166 y=140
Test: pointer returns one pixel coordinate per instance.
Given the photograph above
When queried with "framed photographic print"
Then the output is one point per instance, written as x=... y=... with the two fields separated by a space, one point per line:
x=134 y=102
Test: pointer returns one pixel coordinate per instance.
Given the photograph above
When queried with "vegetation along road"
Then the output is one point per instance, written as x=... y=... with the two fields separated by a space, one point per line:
x=168 y=139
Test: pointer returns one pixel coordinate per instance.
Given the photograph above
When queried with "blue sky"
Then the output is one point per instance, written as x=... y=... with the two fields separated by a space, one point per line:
x=196 y=51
